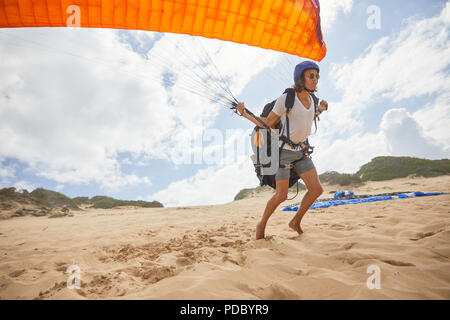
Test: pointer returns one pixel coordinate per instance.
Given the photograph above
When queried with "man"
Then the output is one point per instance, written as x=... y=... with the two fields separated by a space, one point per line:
x=301 y=117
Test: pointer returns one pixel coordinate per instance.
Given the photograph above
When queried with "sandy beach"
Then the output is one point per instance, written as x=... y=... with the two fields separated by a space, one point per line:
x=210 y=252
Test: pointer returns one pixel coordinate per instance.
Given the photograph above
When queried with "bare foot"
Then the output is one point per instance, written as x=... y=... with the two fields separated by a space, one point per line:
x=259 y=231
x=295 y=226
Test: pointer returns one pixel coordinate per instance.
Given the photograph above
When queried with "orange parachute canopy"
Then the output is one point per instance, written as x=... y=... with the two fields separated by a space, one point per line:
x=291 y=26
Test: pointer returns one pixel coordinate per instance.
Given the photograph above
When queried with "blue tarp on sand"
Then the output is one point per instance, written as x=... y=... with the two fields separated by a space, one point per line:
x=325 y=204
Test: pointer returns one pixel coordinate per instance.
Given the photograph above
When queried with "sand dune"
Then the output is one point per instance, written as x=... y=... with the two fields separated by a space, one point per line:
x=209 y=252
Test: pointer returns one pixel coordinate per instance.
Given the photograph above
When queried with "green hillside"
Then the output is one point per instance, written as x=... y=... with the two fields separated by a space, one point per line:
x=245 y=193
x=379 y=168
x=42 y=202
x=343 y=179
x=250 y=192
x=52 y=199
x=103 y=202
x=387 y=168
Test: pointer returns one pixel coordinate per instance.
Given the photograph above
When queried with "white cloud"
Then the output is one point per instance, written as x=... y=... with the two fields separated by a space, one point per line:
x=347 y=155
x=329 y=11
x=230 y=169
x=7 y=172
x=409 y=64
x=68 y=109
x=405 y=137
x=71 y=100
x=434 y=119
x=214 y=185
x=399 y=134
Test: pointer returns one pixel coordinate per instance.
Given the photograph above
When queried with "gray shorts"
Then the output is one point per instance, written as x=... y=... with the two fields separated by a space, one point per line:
x=296 y=158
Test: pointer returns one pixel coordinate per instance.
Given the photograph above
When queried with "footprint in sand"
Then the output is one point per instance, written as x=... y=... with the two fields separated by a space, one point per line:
x=358 y=259
x=237 y=260
x=184 y=261
x=276 y=292
x=108 y=285
x=26 y=275
x=17 y=273
x=398 y=263
x=422 y=235
x=153 y=273
x=58 y=286
x=61 y=266
x=337 y=227
x=348 y=246
x=351 y=257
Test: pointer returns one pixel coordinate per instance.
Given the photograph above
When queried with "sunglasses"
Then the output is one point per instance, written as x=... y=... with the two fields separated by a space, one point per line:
x=312 y=76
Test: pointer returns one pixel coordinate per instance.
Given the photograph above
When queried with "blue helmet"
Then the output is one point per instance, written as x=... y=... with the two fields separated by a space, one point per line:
x=304 y=66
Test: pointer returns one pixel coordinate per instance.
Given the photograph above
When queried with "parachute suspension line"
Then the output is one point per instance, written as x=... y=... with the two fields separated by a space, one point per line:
x=285 y=69
x=196 y=88
x=278 y=73
x=46 y=47
x=291 y=64
x=219 y=81
x=194 y=84
x=224 y=101
x=211 y=98
x=40 y=46
x=202 y=68
x=288 y=59
x=288 y=70
x=203 y=81
x=222 y=82
x=227 y=87
x=282 y=72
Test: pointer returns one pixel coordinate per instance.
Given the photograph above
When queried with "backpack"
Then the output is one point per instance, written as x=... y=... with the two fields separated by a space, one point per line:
x=257 y=141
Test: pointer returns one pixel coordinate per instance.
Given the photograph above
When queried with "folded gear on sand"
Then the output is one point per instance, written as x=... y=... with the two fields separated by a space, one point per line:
x=258 y=142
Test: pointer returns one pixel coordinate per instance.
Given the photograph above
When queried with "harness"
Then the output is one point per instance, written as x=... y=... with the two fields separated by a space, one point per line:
x=257 y=142
x=305 y=147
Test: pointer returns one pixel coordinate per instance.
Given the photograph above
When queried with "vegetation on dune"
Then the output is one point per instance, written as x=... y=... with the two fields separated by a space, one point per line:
x=387 y=168
x=379 y=168
x=342 y=179
x=102 y=202
x=42 y=202
x=52 y=199
x=246 y=193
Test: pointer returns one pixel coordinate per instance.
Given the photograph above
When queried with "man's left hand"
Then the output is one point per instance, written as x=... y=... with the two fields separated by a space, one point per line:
x=323 y=106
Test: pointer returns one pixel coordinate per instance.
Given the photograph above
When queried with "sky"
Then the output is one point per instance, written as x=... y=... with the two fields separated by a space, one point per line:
x=126 y=113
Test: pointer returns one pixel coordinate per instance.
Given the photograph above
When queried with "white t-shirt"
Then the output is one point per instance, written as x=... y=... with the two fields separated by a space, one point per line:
x=300 y=119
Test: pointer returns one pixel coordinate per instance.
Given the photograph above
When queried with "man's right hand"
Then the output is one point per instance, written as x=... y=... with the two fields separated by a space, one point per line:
x=241 y=108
